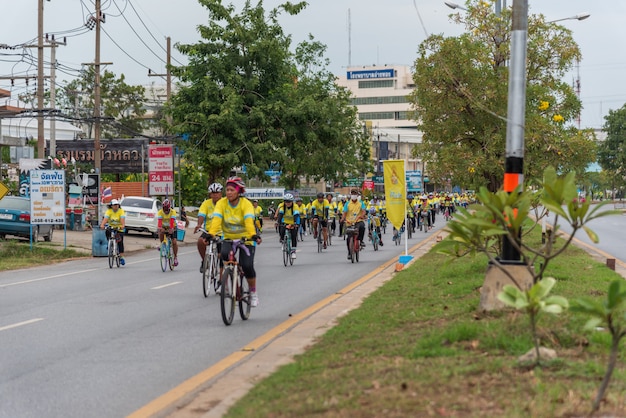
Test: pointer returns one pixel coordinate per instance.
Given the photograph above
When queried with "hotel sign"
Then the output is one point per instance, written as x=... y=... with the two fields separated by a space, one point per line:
x=370 y=74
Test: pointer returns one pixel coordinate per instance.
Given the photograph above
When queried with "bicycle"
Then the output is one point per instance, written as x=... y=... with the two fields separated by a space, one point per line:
x=354 y=247
x=409 y=233
x=210 y=267
x=374 y=238
x=320 y=238
x=397 y=235
x=286 y=247
x=235 y=289
x=166 y=257
x=112 y=248
x=446 y=214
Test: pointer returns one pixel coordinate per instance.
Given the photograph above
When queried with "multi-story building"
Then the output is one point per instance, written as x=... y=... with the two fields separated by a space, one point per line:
x=380 y=93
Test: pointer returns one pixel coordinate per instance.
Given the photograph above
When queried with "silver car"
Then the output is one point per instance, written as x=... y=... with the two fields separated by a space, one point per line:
x=141 y=213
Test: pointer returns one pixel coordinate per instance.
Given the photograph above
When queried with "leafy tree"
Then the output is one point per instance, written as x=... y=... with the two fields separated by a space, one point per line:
x=246 y=100
x=612 y=151
x=122 y=104
x=234 y=78
x=321 y=135
x=461 y=100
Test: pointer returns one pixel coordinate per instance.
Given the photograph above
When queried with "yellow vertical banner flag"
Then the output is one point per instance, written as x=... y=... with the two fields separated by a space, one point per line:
x=395 y=191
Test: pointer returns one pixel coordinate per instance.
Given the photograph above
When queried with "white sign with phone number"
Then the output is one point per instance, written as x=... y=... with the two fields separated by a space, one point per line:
x=47 y=197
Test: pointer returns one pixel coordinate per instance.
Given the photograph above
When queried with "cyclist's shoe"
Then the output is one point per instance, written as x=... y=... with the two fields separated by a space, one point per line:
x=380 y=243
x=349 y=258
x=362 y=245
x=324 y=246
x=218 y=290
x=175 y=261
x=293 y=254
x=202 y=267
x=122 y=261
x=254 y=299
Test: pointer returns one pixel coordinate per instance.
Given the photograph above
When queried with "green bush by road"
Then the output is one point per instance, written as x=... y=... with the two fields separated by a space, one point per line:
x=418 y=347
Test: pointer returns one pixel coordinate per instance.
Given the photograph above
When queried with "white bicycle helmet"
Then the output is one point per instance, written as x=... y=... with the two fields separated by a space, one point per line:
x=215 y=188
x=288 y=196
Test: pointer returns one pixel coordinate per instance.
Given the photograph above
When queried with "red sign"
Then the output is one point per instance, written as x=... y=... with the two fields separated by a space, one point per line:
x=368 y=185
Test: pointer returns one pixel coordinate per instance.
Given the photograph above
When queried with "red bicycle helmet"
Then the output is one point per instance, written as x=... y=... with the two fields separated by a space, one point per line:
x=166 y=205
x=237 y=182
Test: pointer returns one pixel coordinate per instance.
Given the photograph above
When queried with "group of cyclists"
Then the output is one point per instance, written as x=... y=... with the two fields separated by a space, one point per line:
x=235 y=217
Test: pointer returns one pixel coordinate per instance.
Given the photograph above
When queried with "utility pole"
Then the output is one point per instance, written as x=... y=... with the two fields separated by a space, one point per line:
x=168 y=72
x=40 y=138
x=53 y=64
x=96 y=92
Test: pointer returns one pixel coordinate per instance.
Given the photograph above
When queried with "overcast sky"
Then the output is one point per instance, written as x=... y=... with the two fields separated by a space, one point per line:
x=381 y=32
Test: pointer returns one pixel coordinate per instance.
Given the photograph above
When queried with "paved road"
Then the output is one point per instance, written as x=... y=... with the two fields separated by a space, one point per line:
x=80 y=339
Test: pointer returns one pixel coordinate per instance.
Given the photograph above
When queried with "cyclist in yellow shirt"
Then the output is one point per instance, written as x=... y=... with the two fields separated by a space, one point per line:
x=205 y=214
x=320 y=211
x=258 y=215
x=303 y=216
x=234 y=216
x=116 y=218
x=289 y=218
x=166 y=222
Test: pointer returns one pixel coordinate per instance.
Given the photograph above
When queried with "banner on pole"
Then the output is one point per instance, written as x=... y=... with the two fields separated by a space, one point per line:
x=395 y=191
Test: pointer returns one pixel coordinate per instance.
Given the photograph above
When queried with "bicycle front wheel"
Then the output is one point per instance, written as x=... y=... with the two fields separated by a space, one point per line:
x=207 y=268
x=244 y=297
x=375 y=241
x=227 y=297
x=116 y=251
x=163 y=256
x=111 y=253
x=357 y=249
x=351 y=248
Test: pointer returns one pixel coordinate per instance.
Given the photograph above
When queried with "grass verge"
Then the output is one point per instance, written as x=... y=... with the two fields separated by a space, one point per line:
x=419 y=347
x=16 y=255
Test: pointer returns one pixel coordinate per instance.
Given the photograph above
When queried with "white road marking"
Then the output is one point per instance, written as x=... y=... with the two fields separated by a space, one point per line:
x=19 y=324
x=46 y=278
x=165 y=285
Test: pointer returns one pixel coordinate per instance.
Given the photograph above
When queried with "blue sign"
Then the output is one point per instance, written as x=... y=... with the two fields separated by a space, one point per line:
x=370 y=74
x=414 y=181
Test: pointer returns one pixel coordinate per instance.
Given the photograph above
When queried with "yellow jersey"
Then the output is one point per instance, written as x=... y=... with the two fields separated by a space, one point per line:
x=114 y=218
x=235 y=222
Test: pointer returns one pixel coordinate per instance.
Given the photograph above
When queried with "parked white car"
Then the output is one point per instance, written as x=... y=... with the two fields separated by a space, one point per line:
x=141 y=213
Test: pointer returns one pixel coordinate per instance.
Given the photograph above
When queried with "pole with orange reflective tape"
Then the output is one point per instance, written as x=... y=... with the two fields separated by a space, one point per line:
x=514 y=163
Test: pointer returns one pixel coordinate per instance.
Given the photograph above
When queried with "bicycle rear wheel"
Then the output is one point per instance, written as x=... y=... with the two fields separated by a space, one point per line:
x=163 y=256
x=286 y=250
x=227 y=297
x=375 y=241
x=244 y=297
x=111 y=253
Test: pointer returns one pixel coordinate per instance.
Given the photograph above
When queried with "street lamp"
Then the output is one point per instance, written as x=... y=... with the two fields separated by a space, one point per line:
x=579 y=16
x=454 y=5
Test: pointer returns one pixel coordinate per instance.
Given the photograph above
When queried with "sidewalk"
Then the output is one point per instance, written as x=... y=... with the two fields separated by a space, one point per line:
x=136 y=241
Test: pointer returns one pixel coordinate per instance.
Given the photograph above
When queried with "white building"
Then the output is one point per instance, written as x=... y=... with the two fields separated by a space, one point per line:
x=380 y=93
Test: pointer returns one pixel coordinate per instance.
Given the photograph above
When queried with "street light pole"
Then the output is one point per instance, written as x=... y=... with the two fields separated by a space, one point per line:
x=514 y=161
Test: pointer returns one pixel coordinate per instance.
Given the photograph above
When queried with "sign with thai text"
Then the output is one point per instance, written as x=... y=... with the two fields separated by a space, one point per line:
x=161 y=170
x=116 y=155
x=47 y=197
x=370 y=74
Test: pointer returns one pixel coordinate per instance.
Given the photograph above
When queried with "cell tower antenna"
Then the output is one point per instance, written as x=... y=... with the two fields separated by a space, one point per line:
x=349 y=39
